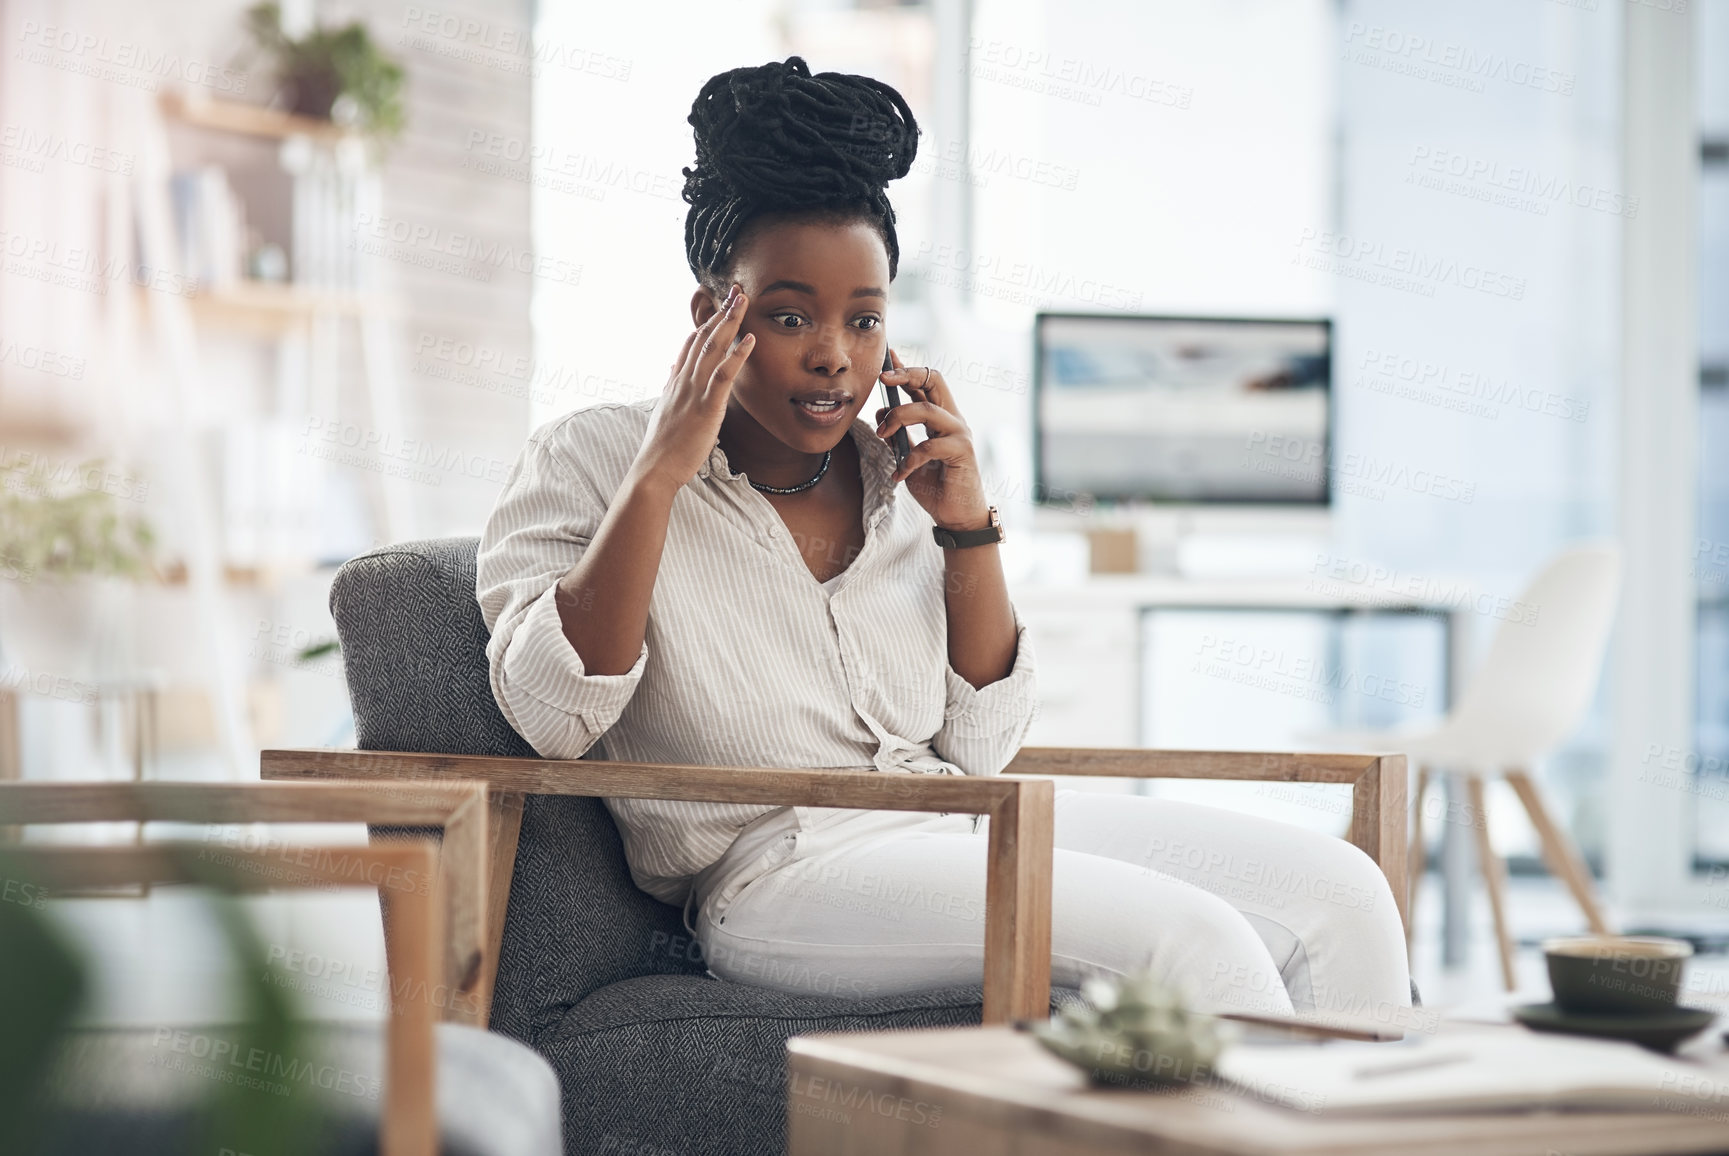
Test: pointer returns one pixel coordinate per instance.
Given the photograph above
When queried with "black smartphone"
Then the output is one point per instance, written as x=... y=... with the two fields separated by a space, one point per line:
x=902 y=444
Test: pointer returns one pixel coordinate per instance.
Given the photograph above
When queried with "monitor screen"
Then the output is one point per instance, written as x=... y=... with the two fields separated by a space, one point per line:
x=1181 y=409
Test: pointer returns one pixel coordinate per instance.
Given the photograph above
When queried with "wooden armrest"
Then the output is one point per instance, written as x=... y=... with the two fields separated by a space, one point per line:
x=1146 y=763
x=1018 y=879
x=1377 y=782
x=407 y=871
x=460 y=808
x=596 y=778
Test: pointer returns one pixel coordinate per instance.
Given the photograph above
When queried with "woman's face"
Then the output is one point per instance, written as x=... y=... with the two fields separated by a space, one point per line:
x=818 y=298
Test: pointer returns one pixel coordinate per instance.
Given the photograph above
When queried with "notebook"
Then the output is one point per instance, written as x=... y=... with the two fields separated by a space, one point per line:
x=1466 y=1071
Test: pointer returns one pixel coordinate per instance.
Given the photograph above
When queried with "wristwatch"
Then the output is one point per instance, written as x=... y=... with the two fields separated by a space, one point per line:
x=961 y=539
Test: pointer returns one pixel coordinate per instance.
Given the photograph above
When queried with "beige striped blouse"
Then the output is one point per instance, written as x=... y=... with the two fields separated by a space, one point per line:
x=748 y=660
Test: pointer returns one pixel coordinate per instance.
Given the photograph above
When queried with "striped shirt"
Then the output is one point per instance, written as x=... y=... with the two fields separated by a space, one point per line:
x=747 y=660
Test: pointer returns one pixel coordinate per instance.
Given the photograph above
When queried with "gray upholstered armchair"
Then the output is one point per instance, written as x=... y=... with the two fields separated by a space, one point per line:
x=601 y=978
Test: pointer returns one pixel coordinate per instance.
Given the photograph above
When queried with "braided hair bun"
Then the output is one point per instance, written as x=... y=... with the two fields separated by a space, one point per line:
x=776 y=139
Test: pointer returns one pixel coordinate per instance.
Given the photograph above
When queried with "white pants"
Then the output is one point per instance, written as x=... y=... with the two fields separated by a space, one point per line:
x=1241 y=913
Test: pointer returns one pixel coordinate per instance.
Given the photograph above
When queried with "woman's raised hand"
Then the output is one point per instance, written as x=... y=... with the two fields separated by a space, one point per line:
x=683 y=429
x=942 y=472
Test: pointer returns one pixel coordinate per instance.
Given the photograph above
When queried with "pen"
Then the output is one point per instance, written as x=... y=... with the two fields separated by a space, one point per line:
x=1400 y=1067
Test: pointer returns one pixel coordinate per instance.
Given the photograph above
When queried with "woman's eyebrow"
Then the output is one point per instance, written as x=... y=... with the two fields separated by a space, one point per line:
x=808 y=290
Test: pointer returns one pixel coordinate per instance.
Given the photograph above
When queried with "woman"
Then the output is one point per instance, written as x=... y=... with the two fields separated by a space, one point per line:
x=731 y=574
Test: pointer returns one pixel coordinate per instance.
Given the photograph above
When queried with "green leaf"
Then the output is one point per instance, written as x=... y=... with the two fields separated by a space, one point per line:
x=42 y=986
x=319 y=649
x=334 y=62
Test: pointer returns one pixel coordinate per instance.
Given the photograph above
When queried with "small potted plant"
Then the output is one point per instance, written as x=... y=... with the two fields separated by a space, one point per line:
x=334 y=74
x=68 y=554
x=1136 y=1031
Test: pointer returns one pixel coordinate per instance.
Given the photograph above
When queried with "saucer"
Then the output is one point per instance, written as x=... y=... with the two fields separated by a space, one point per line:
x=1659 y=1031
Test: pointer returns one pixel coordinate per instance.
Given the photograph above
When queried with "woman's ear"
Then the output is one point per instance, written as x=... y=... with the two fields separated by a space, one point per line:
x=702 y=306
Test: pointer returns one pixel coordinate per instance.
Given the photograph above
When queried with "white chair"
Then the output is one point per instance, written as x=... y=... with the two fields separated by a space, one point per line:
x=1532 y=689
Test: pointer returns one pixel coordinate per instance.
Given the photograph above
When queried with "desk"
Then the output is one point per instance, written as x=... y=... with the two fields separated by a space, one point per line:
x=1087 y=639
x=996 y=1092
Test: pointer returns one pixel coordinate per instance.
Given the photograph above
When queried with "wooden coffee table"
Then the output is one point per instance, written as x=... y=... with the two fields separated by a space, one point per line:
x=993 y=1090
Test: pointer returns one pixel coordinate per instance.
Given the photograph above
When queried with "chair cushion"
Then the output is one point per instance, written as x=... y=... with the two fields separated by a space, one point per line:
x=687 y=1064
x=414 y=651
x=576 y=922
x=134 y=1090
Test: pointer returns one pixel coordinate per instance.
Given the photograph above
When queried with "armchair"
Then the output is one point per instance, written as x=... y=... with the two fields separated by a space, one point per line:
x=600 y=977
x=450 y=1086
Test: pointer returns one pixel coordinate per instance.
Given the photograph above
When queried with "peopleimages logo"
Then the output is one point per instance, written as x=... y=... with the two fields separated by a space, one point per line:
x=82 y=268
x=42 y=360
x=1400 y=266
x=1067 y=77
x=1304 y=676
x=415 y=242
x=842 y=1099
x=384 y=452
x=508 y=48
x=1443 y=60
x=1022 y=282
x=120 y=61
x=24 y=894
x=1334 y=576
x=547 y=165
x=1305 y=459
x=223 y=1058
x=1461 y=387
x=34 y=148
x=1516 y=186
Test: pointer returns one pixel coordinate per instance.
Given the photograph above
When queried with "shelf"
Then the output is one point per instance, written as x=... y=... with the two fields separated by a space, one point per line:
x=273 y=308
x=267 y=578
x=248 y=119
x=26 y=422
x=275 y=298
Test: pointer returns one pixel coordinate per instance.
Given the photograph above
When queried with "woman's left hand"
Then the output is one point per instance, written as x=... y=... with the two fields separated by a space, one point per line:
x=941 y=472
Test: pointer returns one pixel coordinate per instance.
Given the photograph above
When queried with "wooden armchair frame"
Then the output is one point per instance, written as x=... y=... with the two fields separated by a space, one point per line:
x=408 y=1120
x=459 y=808
x=1378 y=786
x=1017 y=966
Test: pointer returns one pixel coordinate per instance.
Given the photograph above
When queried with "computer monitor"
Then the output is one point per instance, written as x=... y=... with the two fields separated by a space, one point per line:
x=1191 y=410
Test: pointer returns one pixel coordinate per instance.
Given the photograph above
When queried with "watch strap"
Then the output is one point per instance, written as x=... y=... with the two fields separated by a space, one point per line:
x=961 y=539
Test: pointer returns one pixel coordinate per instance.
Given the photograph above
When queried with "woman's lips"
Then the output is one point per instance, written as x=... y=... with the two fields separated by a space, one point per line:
x=821 y=413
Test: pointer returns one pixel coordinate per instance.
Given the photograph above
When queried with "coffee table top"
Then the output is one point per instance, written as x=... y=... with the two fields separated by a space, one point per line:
x=1003 y=1079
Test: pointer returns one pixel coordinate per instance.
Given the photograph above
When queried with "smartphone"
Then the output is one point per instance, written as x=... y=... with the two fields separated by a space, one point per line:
x=902 y=444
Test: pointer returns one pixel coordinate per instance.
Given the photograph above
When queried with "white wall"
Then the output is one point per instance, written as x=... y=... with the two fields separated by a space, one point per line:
x=1522 y=412
x=1545 y=336
x=613 y=141
x=1199 y=142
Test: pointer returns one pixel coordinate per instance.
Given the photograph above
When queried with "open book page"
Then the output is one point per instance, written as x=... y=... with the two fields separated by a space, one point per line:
x=1468 y=1071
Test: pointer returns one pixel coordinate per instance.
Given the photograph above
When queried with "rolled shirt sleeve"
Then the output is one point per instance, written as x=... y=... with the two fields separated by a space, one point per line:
x=544 y=521
x=983 y=727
